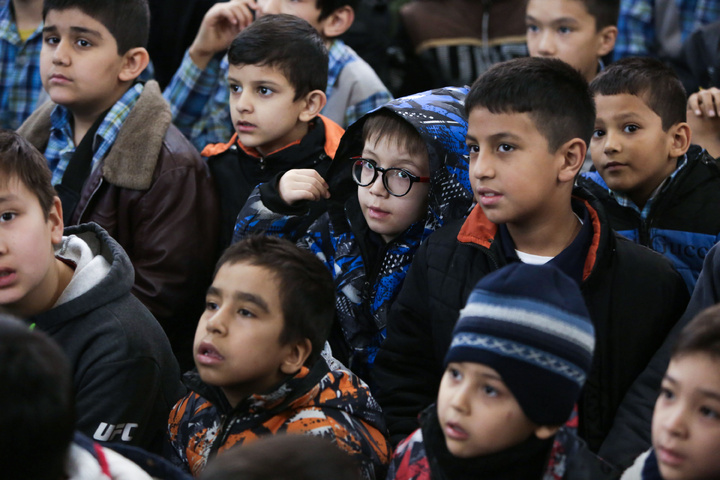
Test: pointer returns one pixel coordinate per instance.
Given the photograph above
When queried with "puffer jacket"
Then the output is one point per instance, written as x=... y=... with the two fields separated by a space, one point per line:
x=368 y=272
x=335 y=405
x=154 y=195
x=633 y=294
x=684 y=219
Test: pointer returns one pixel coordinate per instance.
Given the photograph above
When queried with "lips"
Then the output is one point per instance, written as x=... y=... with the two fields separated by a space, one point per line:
x=58 y=78
x=7 y=277
x=377 y=213
x=244 y=127
x=207 y=354
x=488 y=197
x=454 y=431
x=669 y=457
x=613 y=165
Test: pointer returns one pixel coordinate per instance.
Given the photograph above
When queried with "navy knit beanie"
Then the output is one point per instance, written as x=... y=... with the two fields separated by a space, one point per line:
x=530 y=324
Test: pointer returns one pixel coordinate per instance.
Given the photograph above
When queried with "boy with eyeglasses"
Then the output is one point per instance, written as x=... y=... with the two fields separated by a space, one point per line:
x=399 y=174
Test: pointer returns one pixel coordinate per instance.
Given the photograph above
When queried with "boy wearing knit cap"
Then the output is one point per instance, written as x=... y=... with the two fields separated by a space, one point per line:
x=520 y=353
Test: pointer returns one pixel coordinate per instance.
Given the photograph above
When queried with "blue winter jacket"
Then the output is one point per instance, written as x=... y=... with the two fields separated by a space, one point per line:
x=368 y=272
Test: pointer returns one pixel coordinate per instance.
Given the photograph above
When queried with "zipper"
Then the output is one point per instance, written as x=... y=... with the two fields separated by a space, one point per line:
x=95 y=190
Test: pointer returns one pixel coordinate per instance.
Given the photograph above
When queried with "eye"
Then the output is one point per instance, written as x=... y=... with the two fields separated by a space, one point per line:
x=264 y=91
x=244 y=312
x=404 y=174
x=564 y=30
x=666 y=394
x=210 y=306
x=473 y=149
x=505 y=148
x=490 y=391
x=532 y=28
x=7 y=216
x=50 y=40
x=598 y=133
x=235 y=88
x=631 y=128
x=454 y=374
x=83 y=43
x=708 y=412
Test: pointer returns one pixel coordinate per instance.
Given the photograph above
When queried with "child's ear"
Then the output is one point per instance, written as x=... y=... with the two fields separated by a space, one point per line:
x=134 y=62
x=573 y=155
x=606 y=36
x=296 y=356
x=680 y=136
x=338 y=22
x=314 y=102
x=544 y=432
x=55 y=221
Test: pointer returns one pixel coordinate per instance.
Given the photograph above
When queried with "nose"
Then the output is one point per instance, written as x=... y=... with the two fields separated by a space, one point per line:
x=460 y=400
x=481 y=166
x=269 y=7
x=377 y=188
x=546 y=44
x=60 y=54
x=215 y=321
x=675 y=420
x=243 y=102
x=612 y=143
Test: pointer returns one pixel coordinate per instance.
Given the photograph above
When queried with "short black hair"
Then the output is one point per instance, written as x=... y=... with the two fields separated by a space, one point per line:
x=654 y=82
x=329 y=6
x=555 y=95
x=37 y=403
x=307 y=291
x=127 y=20
x=701 y=335
x=284 y=457
x=606 y=12
x=287 y=43
x=21 y=160
x=384 y=124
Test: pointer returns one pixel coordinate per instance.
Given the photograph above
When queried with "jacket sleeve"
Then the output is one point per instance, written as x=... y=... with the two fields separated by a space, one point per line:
x=630 y=433
x=172 y=243
x=116 y=402
x=405 y=365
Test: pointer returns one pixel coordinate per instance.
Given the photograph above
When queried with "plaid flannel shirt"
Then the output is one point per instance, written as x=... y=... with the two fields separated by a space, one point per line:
x=20 y=85
x=199 y=99
x=636 y=24
x=625 y=201
x=61 y=145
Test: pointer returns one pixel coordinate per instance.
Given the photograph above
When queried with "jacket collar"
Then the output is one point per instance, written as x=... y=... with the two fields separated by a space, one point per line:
x=134 y=156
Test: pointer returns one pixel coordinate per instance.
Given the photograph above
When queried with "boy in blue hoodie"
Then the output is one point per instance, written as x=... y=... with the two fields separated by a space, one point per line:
x=399 y=174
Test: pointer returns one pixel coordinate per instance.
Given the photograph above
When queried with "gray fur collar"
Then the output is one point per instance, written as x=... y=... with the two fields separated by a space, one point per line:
x=134 y=155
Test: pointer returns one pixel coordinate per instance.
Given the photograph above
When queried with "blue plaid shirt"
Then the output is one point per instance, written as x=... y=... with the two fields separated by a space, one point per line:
x=636 y=24
x=20 y=85
x=623 y=199
x=199 y=99
x=61 y=145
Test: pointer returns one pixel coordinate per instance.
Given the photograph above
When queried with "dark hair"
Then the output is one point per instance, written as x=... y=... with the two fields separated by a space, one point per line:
x=385 y=124
x=701 y=335
x=126 y=20
x=284 y=457
x=605 y=12
x=329 y=6
x=37 y=404
x=19 y=159
x=554 y=94
x=287 y=43
x=306 y=288
x=651 y=80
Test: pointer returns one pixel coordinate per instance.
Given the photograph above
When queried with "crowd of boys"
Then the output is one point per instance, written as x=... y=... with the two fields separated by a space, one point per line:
x=509 y=279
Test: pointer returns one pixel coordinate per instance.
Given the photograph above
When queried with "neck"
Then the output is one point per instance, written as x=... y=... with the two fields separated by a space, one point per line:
x=46 y=294
x=83 y=119
x=546 y=236
x=28 y=13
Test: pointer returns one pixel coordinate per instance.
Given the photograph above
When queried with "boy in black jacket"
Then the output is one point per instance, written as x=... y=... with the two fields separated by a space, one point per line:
x=658 y=190
x=76 y=288
x=529 y=121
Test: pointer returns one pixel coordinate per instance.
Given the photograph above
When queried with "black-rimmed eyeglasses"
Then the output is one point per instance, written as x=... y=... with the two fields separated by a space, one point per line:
x=397 y=181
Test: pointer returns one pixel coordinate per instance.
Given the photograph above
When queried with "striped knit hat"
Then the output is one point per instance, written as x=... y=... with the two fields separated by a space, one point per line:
x=530 y=324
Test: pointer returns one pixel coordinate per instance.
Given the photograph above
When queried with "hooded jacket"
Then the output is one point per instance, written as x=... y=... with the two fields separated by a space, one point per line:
x=633 y=294
x=237 y=169
x=125 y=376
x=335 y=405
x=154 y=195
x=684 y=219
x=368 y=272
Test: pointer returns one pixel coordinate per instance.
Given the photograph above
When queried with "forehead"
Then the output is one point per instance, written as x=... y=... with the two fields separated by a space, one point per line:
x=258 y=74
x=242 y=276
x=623 y=105
x=556 y=10
x=484 y=124
x=13 y=189
x=77 y=20
x=394 y=149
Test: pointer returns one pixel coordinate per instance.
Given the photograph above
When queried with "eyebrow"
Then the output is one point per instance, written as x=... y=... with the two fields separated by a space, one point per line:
x=555 y=21
x=8 y=198
x=242 y=297
x=76 y=30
